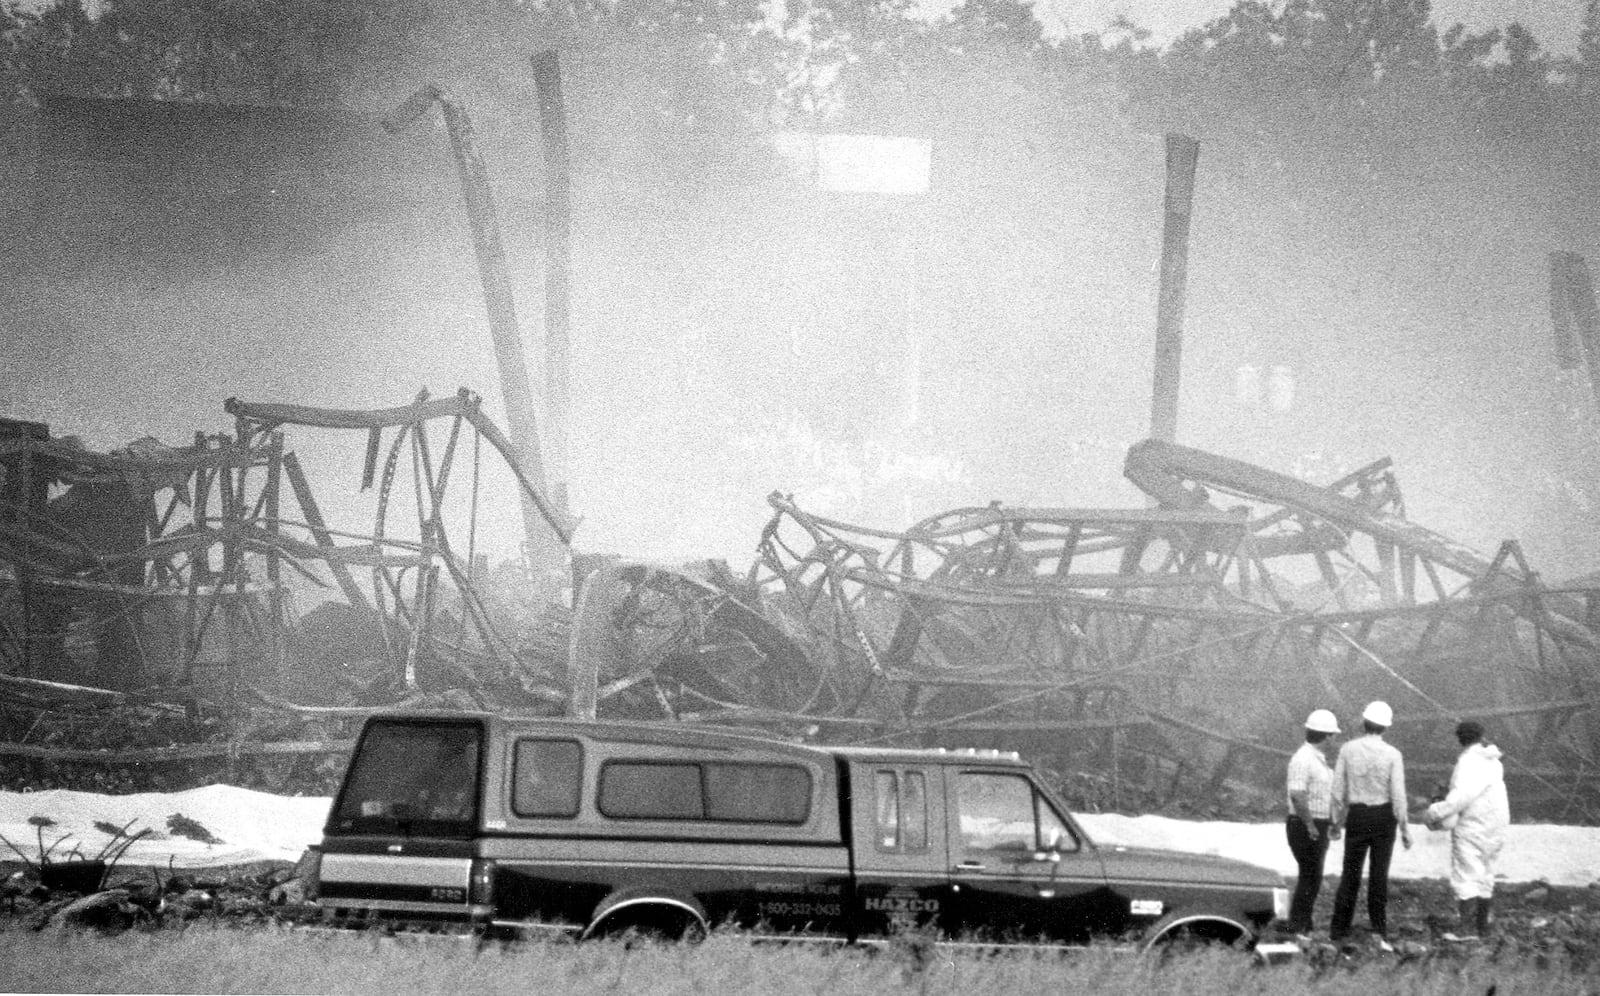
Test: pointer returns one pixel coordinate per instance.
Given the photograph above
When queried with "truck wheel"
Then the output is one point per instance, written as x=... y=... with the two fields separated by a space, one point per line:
x=1177 y=935
x=653 y=927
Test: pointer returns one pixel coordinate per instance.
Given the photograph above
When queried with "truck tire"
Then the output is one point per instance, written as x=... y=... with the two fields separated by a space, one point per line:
x=1187 y=931
x=637 y=920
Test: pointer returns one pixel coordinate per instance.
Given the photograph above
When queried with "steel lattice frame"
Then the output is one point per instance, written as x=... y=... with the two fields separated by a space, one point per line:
x=1244 y=600
x=220 y=540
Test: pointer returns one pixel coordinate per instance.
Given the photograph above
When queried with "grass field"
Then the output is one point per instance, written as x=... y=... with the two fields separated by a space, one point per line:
x=222 y=959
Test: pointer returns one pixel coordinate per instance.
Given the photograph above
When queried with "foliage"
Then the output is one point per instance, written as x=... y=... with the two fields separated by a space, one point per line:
x=183 y=826
x=689 y=84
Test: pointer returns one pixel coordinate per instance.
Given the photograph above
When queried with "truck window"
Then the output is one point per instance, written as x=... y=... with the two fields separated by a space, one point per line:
x=632 y=791
x=996 y=812
x=1053 y=830
x=888 y=791
x=412 y=777
x=902 y=799
x=757 y=793
x=1004 y=812
x=546 y=778
x=721 y=792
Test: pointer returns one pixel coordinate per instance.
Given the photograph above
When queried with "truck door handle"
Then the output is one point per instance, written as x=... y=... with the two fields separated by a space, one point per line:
x=970 y=866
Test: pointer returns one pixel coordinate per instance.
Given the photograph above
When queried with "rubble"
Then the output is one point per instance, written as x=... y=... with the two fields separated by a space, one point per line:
x=1116 y=641
x=147 y=609
x=1107 y=643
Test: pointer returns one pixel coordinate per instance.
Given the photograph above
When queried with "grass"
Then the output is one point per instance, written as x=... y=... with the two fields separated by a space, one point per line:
x=222 y=959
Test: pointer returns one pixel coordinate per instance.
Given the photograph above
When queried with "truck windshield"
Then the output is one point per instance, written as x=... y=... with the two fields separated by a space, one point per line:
x=1003 y=812
x=412 y=778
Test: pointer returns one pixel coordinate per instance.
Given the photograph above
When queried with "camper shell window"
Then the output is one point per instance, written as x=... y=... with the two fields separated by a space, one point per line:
x=715 y=791
x=412 y=777
x=547 y=778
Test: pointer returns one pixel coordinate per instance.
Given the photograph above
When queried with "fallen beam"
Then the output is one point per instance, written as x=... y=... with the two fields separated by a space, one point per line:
x=167 y=755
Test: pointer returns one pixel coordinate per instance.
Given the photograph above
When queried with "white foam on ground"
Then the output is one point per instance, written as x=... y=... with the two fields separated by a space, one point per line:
x=1559 y=855
x=258 y=826
x=252 y=826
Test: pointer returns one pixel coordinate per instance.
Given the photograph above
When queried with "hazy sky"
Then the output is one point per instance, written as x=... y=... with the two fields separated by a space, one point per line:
x=1554 y=22
x=350 y=328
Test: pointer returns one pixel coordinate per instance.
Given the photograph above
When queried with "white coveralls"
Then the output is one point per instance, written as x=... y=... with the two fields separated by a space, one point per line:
x=1477 y=802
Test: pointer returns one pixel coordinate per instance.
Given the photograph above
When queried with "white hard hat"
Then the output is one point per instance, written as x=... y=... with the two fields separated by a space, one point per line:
x=1378 y=714
x=1322 y=721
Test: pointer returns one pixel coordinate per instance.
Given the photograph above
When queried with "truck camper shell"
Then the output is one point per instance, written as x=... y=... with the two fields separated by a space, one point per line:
x=513 y=825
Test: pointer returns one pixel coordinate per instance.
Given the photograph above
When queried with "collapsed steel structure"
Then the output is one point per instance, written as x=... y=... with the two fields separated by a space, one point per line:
x=170 y=572
x=1162 y=650
x=1160 y=645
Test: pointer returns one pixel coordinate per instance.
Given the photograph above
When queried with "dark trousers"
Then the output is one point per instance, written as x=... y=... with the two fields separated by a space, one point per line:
x=1366 y=829
x=1308 y=855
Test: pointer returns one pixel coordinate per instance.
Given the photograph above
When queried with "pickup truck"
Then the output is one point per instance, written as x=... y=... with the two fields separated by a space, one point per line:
x=513 y=825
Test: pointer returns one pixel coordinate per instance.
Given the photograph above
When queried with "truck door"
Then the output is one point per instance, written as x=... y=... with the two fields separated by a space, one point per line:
x=901 y=857
x=1018 y=871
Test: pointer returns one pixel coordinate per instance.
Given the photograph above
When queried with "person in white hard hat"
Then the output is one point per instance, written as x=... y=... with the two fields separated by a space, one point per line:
x=1369 y=786
x=1310 y=822
x=1476 y=812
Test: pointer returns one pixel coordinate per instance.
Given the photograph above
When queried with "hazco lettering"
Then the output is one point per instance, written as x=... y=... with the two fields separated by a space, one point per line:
x=899 y=904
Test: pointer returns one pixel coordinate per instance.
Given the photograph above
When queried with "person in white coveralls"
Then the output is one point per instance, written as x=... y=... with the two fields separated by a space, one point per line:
x=1476 y=812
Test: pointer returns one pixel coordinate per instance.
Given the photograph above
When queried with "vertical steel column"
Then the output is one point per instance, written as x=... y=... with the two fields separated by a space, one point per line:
x=1575 y=316
x=271 y=502
x=25 y=499
x=503 y=328
x=521 y=425
x=558 y=267
x=1182 y=154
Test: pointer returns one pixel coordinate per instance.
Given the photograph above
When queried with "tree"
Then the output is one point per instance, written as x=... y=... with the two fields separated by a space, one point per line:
x=1328 y=40
x=1009 y=21
x=1584 y=69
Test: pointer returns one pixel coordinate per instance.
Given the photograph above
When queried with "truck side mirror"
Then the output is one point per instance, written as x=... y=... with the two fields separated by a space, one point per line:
x=1052 y=846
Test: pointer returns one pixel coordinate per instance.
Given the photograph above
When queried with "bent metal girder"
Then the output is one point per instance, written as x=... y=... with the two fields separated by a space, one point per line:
x=490 y=659
x=1395 y=593
x=1351 y=530
x=213 y=542
x=1246 y=599
x=129 y=541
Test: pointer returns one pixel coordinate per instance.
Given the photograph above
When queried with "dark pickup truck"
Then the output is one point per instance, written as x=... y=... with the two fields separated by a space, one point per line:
x=597 y=828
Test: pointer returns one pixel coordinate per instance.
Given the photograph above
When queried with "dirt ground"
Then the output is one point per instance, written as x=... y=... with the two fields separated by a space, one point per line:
x=1531 y=919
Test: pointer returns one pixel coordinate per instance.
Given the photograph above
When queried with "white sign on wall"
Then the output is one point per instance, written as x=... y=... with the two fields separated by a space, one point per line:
x=859 y=164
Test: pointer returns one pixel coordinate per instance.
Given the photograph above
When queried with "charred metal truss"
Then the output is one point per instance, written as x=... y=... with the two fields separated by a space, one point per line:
x=167 y=571
x=1166 y=649
x=1158 y=644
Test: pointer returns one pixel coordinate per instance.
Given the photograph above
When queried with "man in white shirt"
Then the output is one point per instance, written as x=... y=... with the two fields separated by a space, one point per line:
x=1310 y=822
x=1369 y=786
x=1477 y=812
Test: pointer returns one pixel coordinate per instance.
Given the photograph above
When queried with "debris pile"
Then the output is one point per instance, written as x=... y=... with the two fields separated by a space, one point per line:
x=149 y=596
x=1155 y=658
x=1177 y=645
